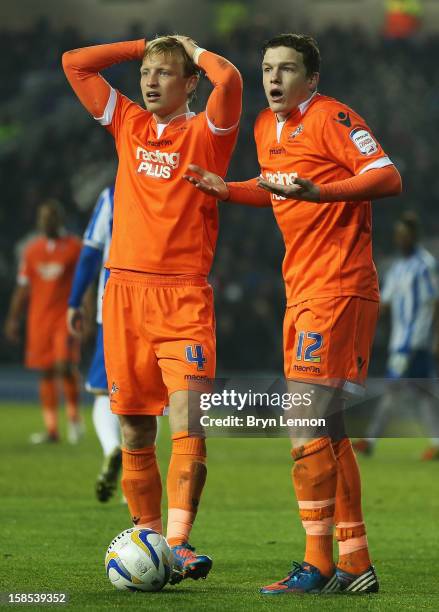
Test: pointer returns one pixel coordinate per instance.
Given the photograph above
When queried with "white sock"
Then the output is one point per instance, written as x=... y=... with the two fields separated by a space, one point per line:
x=106 y=424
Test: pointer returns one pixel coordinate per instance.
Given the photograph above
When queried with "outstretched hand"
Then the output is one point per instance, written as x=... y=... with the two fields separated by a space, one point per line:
x=207 y=182
x=301 y=189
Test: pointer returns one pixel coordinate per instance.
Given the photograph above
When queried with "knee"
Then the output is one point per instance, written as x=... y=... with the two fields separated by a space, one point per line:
x=138 y=431
x=48 y=374
x=65 y=370
x=178 y=412
x=184 y=413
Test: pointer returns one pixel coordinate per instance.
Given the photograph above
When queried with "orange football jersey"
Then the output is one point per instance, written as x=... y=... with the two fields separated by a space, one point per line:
x=161 y=223
x=328 y=245
x=47 y=267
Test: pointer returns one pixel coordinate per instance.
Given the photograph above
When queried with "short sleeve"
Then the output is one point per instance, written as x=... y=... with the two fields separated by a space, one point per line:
x=349 y=141
x=388 y=286
x=429 y=281
x=119 y=109
x=221 y=144
x=24 y=269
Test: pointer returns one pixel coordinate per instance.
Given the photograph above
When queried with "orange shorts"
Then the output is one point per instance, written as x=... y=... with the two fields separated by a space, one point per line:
x=328 y=341
x=159 y=337
x=47 y=345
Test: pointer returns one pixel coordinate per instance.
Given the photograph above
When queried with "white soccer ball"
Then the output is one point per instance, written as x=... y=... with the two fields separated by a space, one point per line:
x=138 y=559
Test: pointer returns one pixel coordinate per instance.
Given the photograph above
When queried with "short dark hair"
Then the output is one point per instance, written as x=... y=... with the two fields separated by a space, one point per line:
x=304 y=44
x=411 y=221
x=55 y=205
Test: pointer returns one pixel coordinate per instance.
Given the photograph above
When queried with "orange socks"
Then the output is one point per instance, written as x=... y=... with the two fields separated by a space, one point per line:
x=314 y=478
x=142 y=487
x=186 y=477
x=49 y=404
x=350 y=530
x=141 y=484
x=71 y=393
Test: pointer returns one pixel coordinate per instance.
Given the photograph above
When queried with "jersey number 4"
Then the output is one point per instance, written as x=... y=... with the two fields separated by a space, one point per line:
x=195 y=354
x=307 y=353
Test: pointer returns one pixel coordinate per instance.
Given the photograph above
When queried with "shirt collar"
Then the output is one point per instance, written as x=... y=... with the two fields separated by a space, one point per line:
x=182 y=117
x=302 y=108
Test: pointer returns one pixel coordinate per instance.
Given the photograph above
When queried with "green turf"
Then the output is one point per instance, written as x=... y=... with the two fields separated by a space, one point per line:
x=54 y=533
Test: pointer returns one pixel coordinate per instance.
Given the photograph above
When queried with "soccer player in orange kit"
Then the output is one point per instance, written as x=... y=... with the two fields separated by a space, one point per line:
x=43 y=286
x=320 y=167
x=158 y=317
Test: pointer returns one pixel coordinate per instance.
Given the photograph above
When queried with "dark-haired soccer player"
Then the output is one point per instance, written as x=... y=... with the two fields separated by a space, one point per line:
x=410 y=294
x=43 y=286
x=320 y=167
x=158 y=317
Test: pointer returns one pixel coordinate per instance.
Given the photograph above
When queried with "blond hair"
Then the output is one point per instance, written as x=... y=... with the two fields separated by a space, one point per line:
x=168 y=45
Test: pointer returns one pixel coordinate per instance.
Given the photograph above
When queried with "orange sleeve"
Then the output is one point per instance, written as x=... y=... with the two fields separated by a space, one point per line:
x=82 y=67
x=375 y=183
x=248 y=192
x=225 y=102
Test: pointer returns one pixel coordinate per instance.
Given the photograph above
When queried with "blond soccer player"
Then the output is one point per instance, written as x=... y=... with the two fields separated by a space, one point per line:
x=158 y=317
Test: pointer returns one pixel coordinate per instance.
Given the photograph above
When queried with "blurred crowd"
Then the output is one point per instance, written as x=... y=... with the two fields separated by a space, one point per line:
x=49 y=147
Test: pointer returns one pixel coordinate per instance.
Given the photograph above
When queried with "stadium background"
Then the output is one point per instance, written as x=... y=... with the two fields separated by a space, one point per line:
x=54 y=533
x=383 y=65
x=49 y=147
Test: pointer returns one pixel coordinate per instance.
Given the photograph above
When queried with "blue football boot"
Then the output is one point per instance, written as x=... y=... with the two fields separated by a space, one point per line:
x=303 y=578
x=186 y=564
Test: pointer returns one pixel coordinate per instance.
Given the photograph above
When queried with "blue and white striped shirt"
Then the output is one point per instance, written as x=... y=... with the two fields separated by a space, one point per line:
x=98 y=236
x=411 y=289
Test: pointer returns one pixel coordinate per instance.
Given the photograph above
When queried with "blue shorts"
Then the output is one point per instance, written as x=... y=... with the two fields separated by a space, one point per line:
x=97 y=377
x=417 y=364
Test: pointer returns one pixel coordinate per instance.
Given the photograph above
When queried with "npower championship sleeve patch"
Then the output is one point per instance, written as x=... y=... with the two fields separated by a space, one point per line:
x=363 y=141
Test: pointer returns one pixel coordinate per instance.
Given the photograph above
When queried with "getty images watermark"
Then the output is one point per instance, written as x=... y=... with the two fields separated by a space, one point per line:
x=259 y=410
x=274 y=407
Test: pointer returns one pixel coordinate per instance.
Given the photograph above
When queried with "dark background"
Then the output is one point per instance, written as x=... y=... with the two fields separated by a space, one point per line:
x=49 y=147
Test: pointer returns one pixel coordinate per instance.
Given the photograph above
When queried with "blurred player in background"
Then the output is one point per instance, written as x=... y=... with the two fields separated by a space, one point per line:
x=158 y=316
x=411 y=294
x=320 y=167
x=94 y=253
x=43 y=286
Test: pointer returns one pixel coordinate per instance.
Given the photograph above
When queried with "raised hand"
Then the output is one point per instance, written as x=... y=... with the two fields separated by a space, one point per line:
x=189 y=45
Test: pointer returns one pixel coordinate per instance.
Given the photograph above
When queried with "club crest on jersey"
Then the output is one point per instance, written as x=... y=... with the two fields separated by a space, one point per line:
x=195 y=354
x=114 y=389
x=363 y=141
x=299 y=129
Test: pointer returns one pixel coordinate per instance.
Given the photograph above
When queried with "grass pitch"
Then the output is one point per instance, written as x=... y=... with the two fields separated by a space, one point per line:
x=55 y=534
